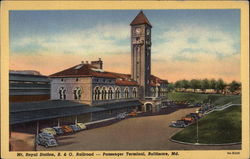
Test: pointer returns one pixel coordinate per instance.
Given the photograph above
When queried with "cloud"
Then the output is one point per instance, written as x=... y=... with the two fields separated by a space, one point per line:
x=97 y=40
x=181 y=52
x=183 y=41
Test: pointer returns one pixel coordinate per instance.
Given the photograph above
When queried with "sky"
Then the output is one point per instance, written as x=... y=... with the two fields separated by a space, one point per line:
x=186 y=44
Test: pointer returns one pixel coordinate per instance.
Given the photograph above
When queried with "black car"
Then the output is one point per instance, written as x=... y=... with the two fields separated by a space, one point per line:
x=59 y=130
x=178 y=124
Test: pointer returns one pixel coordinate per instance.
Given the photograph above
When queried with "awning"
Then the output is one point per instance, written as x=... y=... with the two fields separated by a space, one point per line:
x=33 y=111
x=122 y=104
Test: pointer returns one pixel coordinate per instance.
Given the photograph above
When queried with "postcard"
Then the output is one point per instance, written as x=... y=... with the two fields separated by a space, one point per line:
x=141 y=79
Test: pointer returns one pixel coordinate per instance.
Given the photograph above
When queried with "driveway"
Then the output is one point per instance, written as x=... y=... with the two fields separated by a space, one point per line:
x=139 y=133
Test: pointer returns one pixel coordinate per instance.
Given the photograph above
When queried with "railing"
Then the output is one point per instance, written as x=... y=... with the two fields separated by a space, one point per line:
x=220 y=108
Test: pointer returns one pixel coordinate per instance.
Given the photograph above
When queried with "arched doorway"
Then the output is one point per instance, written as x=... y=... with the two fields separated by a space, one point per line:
x=148 y=107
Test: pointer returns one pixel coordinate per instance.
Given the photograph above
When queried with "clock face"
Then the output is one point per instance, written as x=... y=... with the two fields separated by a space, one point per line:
x=137 y=30
x=148 y=31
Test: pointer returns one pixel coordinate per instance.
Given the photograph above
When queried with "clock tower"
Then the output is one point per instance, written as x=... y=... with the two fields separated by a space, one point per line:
x=141 y=53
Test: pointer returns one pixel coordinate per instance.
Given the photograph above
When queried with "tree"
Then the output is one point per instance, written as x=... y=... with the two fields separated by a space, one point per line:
x=178 y=84
x=220 y=85
x=205 y=84
x=170 y=87
x=212 y=84
x=195 y=84
x=185 y=84
x=234 y=86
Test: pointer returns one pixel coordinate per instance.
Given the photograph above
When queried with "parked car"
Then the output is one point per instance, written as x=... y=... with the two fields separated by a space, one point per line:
x=132 y=114
x=46 y=139
x=191 y=116
x=196 y=115
x=59 y=130
x=188 y=120
x=178 y=124
x=81 y=126
x=121 y=116
x=67 y=129
x=49 y=130
x=75 y=128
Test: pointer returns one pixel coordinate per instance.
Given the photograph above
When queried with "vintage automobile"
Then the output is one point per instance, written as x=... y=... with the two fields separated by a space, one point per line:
x=67 y=129
x=121 y=116
x=81 y=126
x=188 y=120
x=46 y=139
x=196 y=115
x=132 y=114
x=178 y=124
x=49 y=130
x=59 y=130
x=75 y=128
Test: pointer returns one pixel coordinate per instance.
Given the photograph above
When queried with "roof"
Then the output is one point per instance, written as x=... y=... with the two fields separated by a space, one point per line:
x=126 y=83
x=154 y=80
x=140 y=19
x=87 y=70
x=43 y=110
x=27 y=78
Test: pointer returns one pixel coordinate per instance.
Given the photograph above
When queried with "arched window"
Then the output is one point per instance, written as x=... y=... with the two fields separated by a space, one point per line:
x=104 y=93
x=126 y=91
x=153 y=91
x=97 y=93
x=134 y=92
x=62 y=93
x=110 y=93
x=117 y=93
x=77 y=93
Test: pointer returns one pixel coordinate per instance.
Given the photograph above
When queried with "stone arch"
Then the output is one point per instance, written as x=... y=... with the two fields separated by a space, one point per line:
x=117 y=93
x=110 y=92
x=126 y=92
x=62 y=93
x=134 y=92
x=77 y=93
x=104 y=93
x=97 y=93
x=148 y=107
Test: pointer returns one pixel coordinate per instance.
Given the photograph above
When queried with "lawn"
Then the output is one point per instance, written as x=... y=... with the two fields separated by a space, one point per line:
x=217 y=99
x=215 y=128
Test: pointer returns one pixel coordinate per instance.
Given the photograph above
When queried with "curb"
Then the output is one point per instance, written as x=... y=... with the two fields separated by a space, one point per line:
x=200 y=144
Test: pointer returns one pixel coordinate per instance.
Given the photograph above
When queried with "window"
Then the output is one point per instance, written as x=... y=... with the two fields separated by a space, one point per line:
x=97 y=93
x=77 y=93
x=134 y=92
x=62 y=93
x=110 y=93
x=104 y=93
x=117 y=93
x=76 y=79
x=126 y=91
x=61 y=79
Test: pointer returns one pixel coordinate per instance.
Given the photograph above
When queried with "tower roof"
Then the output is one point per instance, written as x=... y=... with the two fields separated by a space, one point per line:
x=140 y=19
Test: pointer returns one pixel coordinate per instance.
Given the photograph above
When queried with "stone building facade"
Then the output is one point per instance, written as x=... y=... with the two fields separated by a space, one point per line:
x=88 y=83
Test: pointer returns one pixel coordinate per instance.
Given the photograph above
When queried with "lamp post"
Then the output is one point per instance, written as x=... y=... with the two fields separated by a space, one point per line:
x=197 y=131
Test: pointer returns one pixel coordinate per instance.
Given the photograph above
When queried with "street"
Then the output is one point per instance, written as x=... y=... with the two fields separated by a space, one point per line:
x=139 y=133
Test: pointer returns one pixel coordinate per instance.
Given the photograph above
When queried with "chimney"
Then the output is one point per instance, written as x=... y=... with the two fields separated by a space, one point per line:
x=98 y=64
x=82 y=62
x=87 y=62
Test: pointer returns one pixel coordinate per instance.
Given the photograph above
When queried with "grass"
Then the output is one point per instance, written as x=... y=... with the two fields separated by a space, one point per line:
x=217 y=99
x=215 y=128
